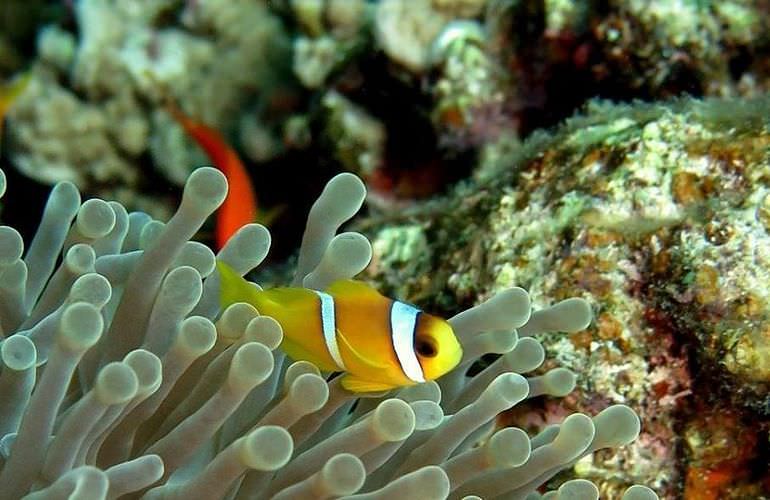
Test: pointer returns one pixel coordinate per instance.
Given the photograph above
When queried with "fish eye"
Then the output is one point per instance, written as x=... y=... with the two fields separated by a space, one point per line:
x=426 y=348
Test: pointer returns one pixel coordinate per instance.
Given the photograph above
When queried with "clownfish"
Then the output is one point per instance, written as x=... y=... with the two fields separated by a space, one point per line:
x=379 y=343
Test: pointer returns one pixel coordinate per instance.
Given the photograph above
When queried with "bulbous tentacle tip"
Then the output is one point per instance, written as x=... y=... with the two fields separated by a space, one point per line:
x=81 y=326
x=394 y=420
x=116 y=383
x=11 y=246
x=205 y=190
x=18 y=353
x=639 y=492
x=267 y=448
x=343 y=474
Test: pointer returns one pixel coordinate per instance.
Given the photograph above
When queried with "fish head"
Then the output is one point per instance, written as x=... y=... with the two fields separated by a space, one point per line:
x=436 y=346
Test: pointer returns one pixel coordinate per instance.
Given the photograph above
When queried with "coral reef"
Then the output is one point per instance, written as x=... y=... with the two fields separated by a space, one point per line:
x=655 y=214
x=146 y=388
x=481 y=75
x=19 y=23
x=91 y=115
x=473 y=76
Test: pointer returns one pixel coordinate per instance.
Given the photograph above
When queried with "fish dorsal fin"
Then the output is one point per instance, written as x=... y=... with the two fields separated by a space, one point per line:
x=360 y=357
x=353 y=289
x=289 y=297
x=233 y=288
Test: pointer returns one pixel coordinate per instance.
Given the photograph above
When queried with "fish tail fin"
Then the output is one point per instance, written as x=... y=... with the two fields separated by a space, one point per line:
x=233 y=288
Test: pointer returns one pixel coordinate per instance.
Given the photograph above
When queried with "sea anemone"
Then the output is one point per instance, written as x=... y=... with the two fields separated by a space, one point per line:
x=122 y=377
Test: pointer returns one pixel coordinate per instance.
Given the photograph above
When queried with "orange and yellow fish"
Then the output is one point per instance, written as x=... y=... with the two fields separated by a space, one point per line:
x=10 y=92
x=379 y=343
x=240 y=206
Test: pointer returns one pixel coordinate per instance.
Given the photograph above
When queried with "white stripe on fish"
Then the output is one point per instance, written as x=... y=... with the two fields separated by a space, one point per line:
x=403 y=323
x=329 y=326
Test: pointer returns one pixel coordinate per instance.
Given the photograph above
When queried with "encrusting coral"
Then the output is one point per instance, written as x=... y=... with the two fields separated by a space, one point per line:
x=121 y=377
x=91 y=82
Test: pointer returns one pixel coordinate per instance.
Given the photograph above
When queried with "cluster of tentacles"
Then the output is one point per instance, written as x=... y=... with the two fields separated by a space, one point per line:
x=121 y=377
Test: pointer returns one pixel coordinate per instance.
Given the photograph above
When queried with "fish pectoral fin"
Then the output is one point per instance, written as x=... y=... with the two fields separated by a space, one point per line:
x=355 y=384
x=360 y=357
x=298 y=353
